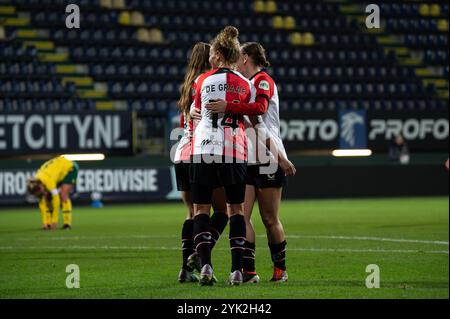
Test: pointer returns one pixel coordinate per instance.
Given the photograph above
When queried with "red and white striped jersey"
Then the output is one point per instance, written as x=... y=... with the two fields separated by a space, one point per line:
x=266 y=86
x=184 y=148
x=221 y=134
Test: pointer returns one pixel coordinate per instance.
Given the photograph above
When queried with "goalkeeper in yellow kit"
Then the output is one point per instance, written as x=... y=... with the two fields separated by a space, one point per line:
x=61 y=173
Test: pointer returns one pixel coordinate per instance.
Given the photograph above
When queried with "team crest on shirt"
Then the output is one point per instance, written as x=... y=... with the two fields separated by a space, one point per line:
x=264 y=85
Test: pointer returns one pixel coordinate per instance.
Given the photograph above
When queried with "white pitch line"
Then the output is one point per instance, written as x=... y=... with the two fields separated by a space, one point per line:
x=333 y=250
x=332 y=237
x=394 y=240
x=351 y=250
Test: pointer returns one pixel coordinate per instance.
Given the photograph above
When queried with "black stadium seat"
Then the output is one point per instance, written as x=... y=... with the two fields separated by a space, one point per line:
x=342 y=64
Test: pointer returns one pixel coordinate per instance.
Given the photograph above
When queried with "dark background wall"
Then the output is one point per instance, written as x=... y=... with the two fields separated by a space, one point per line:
x=317 y=177
x=368 y=181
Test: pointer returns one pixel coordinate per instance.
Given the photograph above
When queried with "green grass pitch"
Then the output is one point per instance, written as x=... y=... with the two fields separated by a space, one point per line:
x=133 y=251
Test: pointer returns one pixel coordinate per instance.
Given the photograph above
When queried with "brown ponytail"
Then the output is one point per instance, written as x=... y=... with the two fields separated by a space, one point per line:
x=227 y=44
x=198 y=64
x=257 y=53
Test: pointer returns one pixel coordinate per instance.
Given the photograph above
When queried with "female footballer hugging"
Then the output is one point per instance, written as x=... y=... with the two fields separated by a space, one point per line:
x=198 y=64
x=220 y=150
x=267 y=188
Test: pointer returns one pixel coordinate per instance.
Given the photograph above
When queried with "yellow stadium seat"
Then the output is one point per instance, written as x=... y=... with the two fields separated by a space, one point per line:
x=7 y=9
x=289 y=23
x=143 y=35
x=271 y=7
x=106 y=3
x=296 y=38
x=259 y=6
x=125 y=18
x=435 y=10
x=104 y=105
x=137 y=18
x=90 y=94
x=26 y=33
x=16 y=22
x=66 y=68
x=118 y=4
x=2 y=33
x=277 y=22
x=79 y=80
x=308 y=38
x=156 y=36
x=41 y=45
x=54 y=57
x=424 y=9
x=442 y=25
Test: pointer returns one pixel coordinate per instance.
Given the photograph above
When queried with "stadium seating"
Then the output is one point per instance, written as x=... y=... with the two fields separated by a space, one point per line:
x=132 y=53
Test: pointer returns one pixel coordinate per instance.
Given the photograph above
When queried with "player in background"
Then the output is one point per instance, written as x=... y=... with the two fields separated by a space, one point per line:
x=198 y=64
x=267 y=188
x=61 y=173
x=219 y=152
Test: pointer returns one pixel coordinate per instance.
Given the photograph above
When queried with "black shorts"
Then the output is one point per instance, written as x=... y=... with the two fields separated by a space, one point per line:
x=202 y=194
x=182 y=175
x=217 y=174
x=205 y=177
x=255 y=178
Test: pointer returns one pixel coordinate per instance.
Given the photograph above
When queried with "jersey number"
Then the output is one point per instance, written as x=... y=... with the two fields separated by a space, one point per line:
x=230 y=120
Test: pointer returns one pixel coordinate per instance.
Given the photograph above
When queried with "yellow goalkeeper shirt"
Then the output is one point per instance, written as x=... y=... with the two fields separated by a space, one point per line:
x=51 y=173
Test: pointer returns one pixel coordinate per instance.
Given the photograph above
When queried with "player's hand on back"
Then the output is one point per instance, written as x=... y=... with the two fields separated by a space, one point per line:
x=196 y=115
x=218 y=106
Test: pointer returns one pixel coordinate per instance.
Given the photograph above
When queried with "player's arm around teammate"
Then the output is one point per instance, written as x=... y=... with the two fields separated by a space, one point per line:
x=217 y=139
